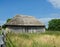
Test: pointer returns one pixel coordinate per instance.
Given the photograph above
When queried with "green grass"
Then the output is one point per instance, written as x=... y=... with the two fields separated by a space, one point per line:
x=0 y=32
x=47 y=39
x=52 y=32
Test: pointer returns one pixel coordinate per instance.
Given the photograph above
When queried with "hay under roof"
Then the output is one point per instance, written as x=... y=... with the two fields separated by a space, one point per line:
x=24 y=20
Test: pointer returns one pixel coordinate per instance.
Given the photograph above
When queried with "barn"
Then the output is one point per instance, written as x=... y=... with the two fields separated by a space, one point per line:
x=24 y=23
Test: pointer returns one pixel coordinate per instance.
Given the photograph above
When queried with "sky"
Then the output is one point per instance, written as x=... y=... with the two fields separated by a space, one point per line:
x=43 y=10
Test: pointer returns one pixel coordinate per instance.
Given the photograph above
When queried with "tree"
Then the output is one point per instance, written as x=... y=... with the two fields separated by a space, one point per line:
x=3 y=26
x=8 y=20
x=54 y=25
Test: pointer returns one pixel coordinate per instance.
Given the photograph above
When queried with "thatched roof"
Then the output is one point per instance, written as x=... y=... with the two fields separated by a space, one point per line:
x=24 y=20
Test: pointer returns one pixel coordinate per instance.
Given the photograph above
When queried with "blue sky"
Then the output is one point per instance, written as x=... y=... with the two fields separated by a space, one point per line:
x=43 y=10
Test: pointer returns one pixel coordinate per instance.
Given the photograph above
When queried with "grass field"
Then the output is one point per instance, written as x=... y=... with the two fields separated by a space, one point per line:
x=47 y=39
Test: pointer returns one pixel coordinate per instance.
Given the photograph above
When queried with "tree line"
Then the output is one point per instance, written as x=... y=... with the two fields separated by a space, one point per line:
x=54 y=25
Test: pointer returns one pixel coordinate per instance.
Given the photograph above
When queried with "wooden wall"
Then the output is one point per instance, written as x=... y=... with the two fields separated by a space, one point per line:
x=27 y=29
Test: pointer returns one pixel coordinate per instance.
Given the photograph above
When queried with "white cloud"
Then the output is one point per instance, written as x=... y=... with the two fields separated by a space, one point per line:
x=55 y=3
x=46 y=20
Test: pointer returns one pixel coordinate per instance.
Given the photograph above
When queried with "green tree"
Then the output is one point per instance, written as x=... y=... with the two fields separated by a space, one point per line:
x=54 y=25
x=8 y=20
x=3 y=26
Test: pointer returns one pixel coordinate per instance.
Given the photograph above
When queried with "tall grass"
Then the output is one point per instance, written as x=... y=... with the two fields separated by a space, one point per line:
x=0 y=32
x=47 y=39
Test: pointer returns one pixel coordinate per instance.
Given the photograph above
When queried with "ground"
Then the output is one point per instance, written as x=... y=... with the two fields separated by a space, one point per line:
x=47 y=39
